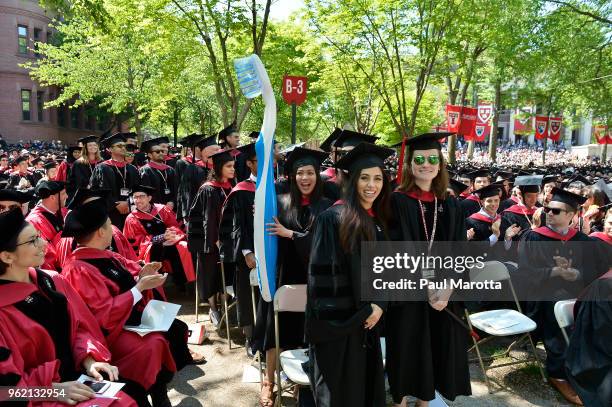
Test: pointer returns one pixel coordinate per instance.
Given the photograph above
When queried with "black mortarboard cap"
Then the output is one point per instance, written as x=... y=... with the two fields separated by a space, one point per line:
x=457 y=186
x=223 y=156
x=36 y=161
x=147 y=145
x=113 y=139
x=18 y=160
x=528 y=183
x=88 y=139
x=548 y=179
x=301 y=157
x=227 y=131
x=85 y=219
x=45 y=189
x=327 y=144
x=427 y=141
x=189 y=139
x=489 y=190
x=248 y=150
x=50 y=164
x=605 y=188
x=478 y=174
x=71 y=149
x=143 y=188
x=364 y=155
x=205 y=142
x=504 y=175
x=349 y=138
x=569 y=198
x=16 y=196
x=254 y=134
x=83 y=194
x=11 y=223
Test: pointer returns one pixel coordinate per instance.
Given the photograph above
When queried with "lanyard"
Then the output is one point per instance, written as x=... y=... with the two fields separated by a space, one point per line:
x=435 y=222
x=164 y=177
x=156 y=216
x=124 y=175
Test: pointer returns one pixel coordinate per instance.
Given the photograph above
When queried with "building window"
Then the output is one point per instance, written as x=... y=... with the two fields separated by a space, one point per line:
x=74 y=118
x=25 y=104
x=22 y=33
x=37 y=38
x=40 y=104
x=61 y=116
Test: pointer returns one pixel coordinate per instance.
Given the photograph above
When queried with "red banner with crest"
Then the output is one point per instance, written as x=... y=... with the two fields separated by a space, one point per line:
x=554 y=128
x=541 y=127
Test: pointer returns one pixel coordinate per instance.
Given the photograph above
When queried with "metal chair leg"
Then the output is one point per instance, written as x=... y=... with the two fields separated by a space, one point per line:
x=538 y=361
x=279 y=393
x=197 y=294
x=482 y=366
x=227 y=329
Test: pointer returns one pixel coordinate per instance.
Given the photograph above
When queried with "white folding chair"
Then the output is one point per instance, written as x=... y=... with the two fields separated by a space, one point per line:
x=289 y=298
x=500 y=322
x=564 y=313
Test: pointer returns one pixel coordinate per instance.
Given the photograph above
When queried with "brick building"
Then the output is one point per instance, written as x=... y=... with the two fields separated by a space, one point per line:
x=22 y=116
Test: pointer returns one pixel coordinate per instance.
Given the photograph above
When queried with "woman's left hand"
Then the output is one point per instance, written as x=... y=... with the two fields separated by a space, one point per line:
x=93 y=369
x=277 y=229
x=374 y=317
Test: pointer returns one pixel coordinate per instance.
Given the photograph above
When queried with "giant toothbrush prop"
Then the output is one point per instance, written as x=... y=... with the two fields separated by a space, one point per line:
x=254 y=81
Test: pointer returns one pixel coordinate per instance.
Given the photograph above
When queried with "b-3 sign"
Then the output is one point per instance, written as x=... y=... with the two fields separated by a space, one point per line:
x=294 y=89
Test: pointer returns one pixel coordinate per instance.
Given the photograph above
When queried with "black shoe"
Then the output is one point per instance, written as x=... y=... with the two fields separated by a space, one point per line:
x=159 y=395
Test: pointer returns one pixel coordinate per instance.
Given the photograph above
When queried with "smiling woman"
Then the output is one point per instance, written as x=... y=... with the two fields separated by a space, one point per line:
x=40 y=344
x=342 y=330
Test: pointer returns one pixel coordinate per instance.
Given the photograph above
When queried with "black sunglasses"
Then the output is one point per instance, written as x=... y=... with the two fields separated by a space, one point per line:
x=555 y=211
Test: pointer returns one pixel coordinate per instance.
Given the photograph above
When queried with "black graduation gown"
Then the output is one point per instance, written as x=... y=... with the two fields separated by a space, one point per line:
x=15 y=179
x=481 y=228
x=426 y=349
x=345 y=359
x=79 y=176
x=506 y=203
x=203 y=234
x=533 y=276
x=469 y=206
x=109 y=176
x=242 y=171
x=292 y=268
x=589 y=355
x=237 y=235
x=163 y=180
x=190 y=177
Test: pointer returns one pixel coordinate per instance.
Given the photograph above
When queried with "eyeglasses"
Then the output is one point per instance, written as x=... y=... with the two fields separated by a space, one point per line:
x=420 y=159
x=8 y=208
x=555 y=211
x=36 y=242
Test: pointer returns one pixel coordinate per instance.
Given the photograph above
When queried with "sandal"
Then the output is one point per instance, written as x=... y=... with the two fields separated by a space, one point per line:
x=197 y=359
x=266 y=398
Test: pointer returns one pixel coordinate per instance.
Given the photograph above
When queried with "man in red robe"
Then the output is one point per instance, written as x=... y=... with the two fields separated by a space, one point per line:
x=47 y=218
x=155 y=235
x=107 y=283
x=66 y=245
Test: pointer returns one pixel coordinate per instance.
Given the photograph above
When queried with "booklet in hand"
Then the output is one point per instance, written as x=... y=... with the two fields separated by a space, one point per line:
x=156 y=317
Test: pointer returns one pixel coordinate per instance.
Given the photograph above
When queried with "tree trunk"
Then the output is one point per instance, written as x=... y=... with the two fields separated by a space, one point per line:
x=493 y=133
x=175 y=124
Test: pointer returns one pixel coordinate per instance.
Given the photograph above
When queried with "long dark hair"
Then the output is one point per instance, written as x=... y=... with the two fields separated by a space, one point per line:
x=217 y=170
x=295 y=199
x=439 y=185
x=355 y=223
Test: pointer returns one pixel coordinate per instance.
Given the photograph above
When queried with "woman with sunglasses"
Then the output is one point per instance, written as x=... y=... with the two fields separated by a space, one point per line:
x=48 y=336
x=342 y=330
x=426 y=347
